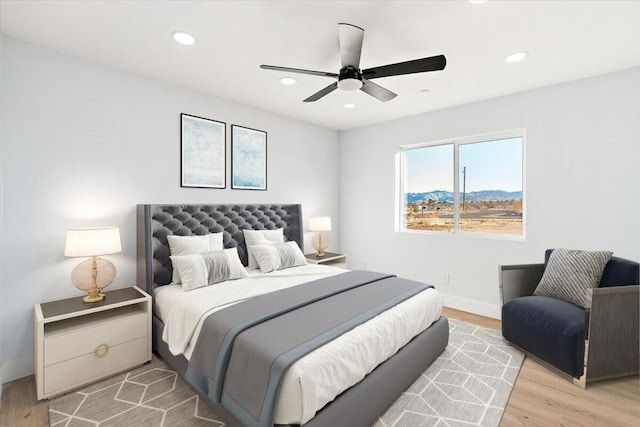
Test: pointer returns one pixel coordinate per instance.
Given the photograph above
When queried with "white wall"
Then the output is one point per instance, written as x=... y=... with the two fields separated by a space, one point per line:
x=82 y=144
x=582 y=185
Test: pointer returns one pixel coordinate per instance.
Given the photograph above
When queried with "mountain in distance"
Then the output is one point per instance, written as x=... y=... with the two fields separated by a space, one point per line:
x=472 y=196
x=437 y=195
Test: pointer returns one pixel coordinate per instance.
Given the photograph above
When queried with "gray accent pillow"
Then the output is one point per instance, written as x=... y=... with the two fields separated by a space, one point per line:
x=278 y=256
x=208 y=268
x=570 y=274
x=217 y=266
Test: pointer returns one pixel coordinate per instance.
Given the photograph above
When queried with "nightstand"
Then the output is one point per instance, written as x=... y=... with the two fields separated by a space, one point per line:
x=329 y=258
x=78 y=343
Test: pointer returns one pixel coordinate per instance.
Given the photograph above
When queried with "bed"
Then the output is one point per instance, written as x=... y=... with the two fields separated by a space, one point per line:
x=360 y=404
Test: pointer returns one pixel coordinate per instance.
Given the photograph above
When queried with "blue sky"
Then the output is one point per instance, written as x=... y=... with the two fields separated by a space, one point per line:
x=494 y=165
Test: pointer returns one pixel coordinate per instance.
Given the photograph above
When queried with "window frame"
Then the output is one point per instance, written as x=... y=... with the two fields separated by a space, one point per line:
x=457 y=142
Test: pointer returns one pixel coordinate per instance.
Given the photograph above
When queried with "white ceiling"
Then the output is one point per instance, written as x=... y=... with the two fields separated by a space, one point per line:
x=567 y=40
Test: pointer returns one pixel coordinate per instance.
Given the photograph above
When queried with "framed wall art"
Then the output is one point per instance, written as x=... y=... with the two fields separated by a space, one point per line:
x=203 y=152
x=248 y=158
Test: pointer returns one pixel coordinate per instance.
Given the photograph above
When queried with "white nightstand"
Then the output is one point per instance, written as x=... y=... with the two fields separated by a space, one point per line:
x=329 y=258
x=78 y=343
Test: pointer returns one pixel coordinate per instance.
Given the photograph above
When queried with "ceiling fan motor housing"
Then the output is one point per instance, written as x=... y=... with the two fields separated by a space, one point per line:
x=350 y=78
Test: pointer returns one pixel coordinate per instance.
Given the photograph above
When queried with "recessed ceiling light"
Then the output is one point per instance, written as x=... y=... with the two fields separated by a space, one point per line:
x=349 y=106
x=516 y=56
x=183 y=38
x=287 y=81
x=424 y=91
x=477 y=1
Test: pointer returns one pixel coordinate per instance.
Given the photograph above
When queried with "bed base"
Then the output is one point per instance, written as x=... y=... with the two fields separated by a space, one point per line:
x=362 y=404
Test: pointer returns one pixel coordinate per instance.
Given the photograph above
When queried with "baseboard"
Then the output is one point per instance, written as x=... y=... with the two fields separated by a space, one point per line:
x=15 y=369
x=471 y=306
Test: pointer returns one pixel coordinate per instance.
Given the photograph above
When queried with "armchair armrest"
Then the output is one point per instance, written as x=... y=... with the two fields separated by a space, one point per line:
x=613 y=337
x=519 y=280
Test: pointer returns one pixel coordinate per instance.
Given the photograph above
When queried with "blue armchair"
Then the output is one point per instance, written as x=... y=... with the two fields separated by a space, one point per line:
x=596 y=343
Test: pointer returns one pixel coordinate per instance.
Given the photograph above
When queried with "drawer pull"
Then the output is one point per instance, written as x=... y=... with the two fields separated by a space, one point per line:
x=101 y=350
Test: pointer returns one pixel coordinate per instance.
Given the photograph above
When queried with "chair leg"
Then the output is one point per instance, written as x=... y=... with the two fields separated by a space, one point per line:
x=582 y=381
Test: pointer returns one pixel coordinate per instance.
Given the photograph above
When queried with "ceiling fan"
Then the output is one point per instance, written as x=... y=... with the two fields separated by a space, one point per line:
x=351 y=77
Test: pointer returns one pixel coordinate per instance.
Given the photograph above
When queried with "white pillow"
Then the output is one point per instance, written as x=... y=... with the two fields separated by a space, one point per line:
x=260 y=237
x=208 y=268
x=189 y=245
x=277 y=256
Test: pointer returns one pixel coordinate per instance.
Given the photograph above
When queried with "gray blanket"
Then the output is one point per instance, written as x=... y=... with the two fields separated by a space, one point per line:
x=243 y=351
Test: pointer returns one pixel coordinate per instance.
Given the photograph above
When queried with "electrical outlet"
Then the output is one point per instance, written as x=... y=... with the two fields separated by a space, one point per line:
x=445 y=278
x=363 y=263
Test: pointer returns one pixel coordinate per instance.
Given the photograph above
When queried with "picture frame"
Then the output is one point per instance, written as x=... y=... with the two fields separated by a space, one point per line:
x=248 y=158
x=203 y=152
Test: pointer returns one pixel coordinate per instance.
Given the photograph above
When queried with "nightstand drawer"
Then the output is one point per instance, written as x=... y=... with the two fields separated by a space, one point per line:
x=89 y=334
x=90 y=367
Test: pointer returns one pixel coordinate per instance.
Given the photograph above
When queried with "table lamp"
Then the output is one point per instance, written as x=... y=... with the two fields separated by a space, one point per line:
x=320 y=240
x=95 y=273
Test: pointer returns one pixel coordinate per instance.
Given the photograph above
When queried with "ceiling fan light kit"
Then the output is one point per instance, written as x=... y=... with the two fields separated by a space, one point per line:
x=351 y=77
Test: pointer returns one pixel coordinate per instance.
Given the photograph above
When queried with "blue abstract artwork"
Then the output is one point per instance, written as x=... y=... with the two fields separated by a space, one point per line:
x=249 y=158
x=203 y=152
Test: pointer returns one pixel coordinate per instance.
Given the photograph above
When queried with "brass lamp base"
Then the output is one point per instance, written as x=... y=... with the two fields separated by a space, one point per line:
x=94 y=295
x=85 y=277
x=320 y=242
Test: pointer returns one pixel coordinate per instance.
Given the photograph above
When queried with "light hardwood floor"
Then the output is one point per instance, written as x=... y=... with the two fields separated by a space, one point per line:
x=542 y=398
x=539 y=398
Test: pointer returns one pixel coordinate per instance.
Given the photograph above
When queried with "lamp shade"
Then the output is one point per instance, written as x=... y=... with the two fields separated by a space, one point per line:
x=320 y=223
x=92 y=241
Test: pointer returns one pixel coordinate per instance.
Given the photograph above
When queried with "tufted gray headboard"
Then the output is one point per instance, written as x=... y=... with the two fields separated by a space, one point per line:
x=156 y=222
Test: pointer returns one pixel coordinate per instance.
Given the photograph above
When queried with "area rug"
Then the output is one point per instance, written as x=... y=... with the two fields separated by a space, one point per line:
x=469 y=384
x=150 y=396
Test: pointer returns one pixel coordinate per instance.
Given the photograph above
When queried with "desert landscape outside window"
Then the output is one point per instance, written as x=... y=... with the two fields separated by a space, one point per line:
x=471 y=185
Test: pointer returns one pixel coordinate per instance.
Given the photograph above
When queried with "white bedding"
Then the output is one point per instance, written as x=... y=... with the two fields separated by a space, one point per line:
x=320 y=376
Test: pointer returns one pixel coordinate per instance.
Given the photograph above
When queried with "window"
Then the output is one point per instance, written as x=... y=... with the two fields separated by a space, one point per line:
x=470 y=186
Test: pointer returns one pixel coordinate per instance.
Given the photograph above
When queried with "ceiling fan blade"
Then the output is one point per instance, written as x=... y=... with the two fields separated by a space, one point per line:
x=299 y=71
x=350 y=38
x=327 y=90
x=378 y=92
x=433 y=63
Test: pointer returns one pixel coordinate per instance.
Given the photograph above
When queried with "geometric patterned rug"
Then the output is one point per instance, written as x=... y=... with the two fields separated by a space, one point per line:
x=149 y=396
x=469 y=384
